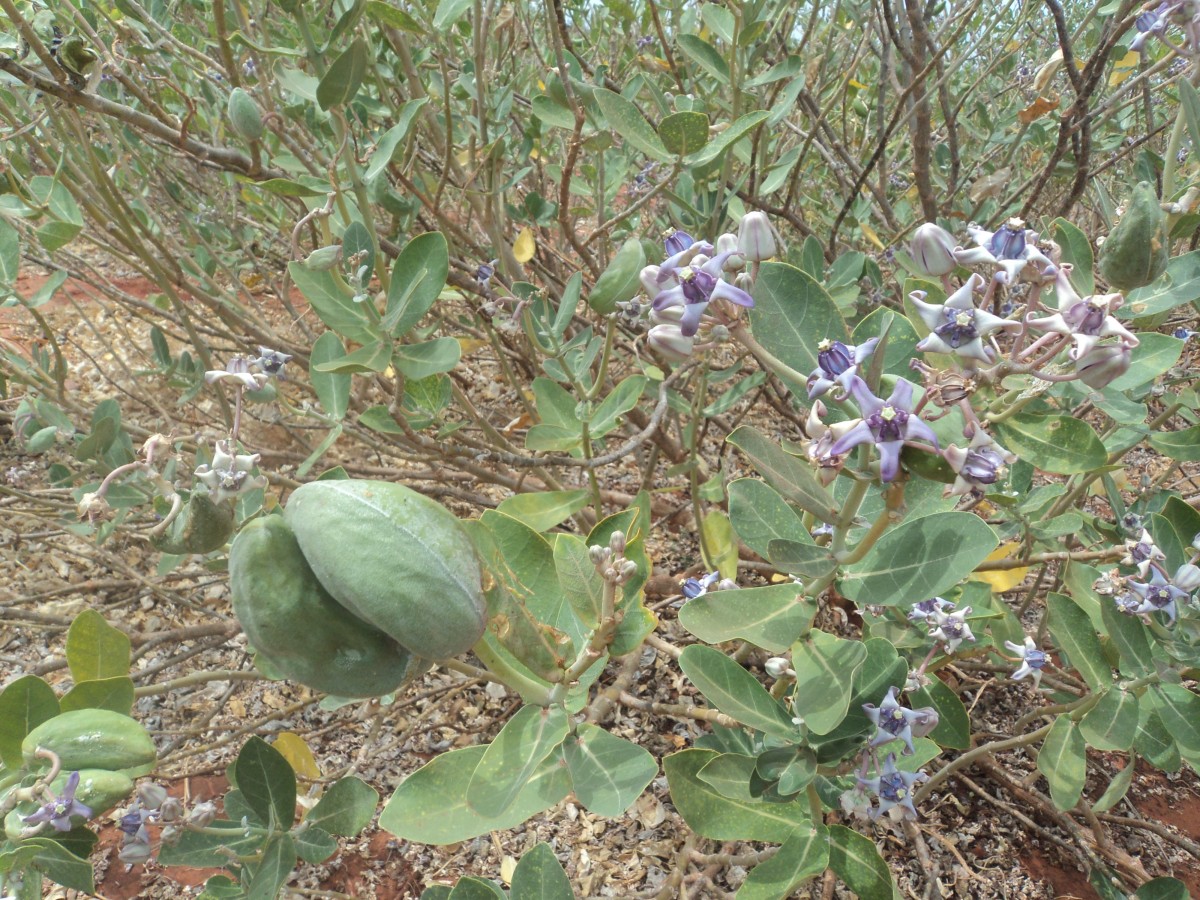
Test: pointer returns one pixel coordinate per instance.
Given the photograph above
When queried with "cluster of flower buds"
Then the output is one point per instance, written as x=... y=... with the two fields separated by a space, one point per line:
x=610 y=561
x=696 y=291
x=153 y=806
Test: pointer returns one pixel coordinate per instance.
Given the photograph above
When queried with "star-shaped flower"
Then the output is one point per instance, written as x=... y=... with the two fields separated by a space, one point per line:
x=238 y=371
x=956 y=326
x=888 y=424
x=1086 y=319
x=695 y=286
x=894 y=722
x=979 y=465
x=926 y=608
x=1032 y=659
x=698 y=587
x=228 y=475
x=57 y=811
x=1010 y=248
x=951 y=629
x=1142 y=553
x=894 y=789
x=1159 y=595
x=837 y=363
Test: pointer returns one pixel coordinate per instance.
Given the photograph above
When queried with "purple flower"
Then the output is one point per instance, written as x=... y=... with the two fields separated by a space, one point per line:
x=677 y=241
x=951 y=629
x=894 y=789
x=1010 y=248
x=697 y=284
x=956 y=326
x=1157 y=596
x=1086 y=319
x=837 y=363
x=888 y=424
x=698 y=587
x=1032 y=659
x=979 y=465
x=57 y=811
x=893 y=722
x=927 y=608
x=1142 y=553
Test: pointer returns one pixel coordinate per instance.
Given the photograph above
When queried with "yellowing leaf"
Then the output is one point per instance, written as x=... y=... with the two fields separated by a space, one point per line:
x=299 y=757
x=870 y=235
x=470 y=345
x=1048 y=70
x=1038 y=108
x=1001 y=580
x=856 y=84
x=722 y=549
x=1124 y=67
x=524 y=246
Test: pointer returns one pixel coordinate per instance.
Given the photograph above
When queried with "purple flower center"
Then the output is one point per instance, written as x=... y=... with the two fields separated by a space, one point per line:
x=891 y=787
x=953 y=627
x=697 y=284
x=1008 y=242
x=1127 y=603
x=959 y=327
x=893 y=720
x=888 y=424
x=1088 y=317
x=1035 y=659
x=834 y=358
x=1141 y=552
x=983 y=466
x=1160 y=597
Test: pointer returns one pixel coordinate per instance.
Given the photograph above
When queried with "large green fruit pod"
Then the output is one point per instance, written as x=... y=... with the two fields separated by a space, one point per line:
x=395 y=558
x=298 y=628
x=98 y=789
x=91 y=739
x=1136 y=251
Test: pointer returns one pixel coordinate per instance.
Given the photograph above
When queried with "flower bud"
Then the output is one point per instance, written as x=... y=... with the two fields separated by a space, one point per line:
x=727 y=243
x=744 y=281
x=172 y=810
x=649 y=279
x=598 y=555
x=1187 y=577
x=616 y=542
x=932 y=249
x=323 y=258
x=756 y=240
x=776 y=666
x=726 y=584
x=677 y=242
x=670 y=341
x=202 y=814
x=1100 y=366
x=152 y=795
x=135 y=853
x=1196 y=541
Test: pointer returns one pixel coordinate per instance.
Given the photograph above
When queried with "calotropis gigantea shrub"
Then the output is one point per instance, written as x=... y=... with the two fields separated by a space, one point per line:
x=503 y=246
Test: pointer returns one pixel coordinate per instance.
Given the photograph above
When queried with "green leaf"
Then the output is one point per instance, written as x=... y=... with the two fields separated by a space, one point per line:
x=730 y=774
x=418 y=276
x=1062 y=759
x=540 y=876
x=1117 y=788
x=705 y=56
x=715 y=148
x=345 y=808
x=1151 y=357
x=734 y=691
x=332 y=302
x=1180 y=285
x=1179 y=709
x=719 y=549
x=285 y=187
x=1128 y=635
x=1153 y=740
x=1075 y=636
x=1076 y=250
x=96 y=649
x=314 y=845
x=212 y=848
x=373 y=357
x=10 y=253
x=857 y=862
x=543 y=510
x=792 y=314
x=513 y=758
x=791 y=477
x=720 y=818
x=60 y=865
x=449 y=12
x=954 y=725
x=430 y=806
x=1183 y=446
x=630 y=125
x=578 y=579
x=471 y=888
x=900 y=348
x=608 y=773
x=825 y=667
x=1164 y=888
x=267 y=783
x=1112 y=723
x=804 y=855
x=619 y=281
x=114 y=693
x=621 y=400
x=684 y=132
x=801 y=558
x=390 y=141
x=1060 y=444
x=772 y=617
x=419 y=361
x=919 y=559
x=392 y=16
x=760 y=515
x=24 y=705
x=344 y=76
x=332 y=390
x=272 y=871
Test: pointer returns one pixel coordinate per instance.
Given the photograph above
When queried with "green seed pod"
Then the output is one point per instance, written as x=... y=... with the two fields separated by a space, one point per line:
x=297 y=628
x=394 y=558
x=244 y=115
x=91 y=739
x=202 y=527
x=1136 y=251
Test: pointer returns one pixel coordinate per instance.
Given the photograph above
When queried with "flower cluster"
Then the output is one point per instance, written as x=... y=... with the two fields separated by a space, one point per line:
x=228 y=475
x=947 y=625
x=152 y=806
x=890 y=790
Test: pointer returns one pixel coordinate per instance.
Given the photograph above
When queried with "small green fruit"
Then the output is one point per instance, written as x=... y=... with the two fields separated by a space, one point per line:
x=394 y=558
x=201 y=527
x=91 y=739
x=301 y=631
x=244 y=115
x=1136 y=251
